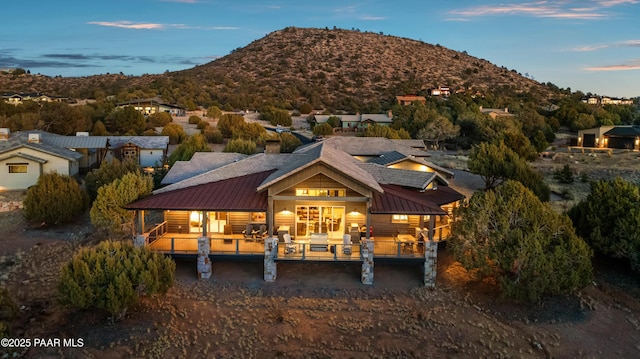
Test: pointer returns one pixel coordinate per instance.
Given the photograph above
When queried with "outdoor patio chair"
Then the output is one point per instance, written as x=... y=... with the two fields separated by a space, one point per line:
x=346 y=244
x=289 y=247
x=249 y=232
x=262 y=232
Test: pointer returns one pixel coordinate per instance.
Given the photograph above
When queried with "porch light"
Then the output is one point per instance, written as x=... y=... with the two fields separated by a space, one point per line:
x=354 y=211
x=637 y=141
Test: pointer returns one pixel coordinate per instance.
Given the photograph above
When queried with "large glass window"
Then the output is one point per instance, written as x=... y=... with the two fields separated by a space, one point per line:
x=319 y=219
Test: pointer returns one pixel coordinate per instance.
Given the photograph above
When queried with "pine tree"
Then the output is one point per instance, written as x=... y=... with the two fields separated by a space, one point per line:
x=54 y=199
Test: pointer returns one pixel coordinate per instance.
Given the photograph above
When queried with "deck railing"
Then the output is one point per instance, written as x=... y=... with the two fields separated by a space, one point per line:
x=383 y=248
x=157 y=231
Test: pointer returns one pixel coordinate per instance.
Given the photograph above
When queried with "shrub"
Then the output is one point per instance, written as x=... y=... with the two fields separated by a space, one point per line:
x=289 y=142
x=564 y=175
x=175 y=132
x=184 y=152
x=54 y=199
x=194 y=120
x=322 y=129
x=507 y=233
x=108 y=210
x=159 y=119
x=107 y=173
x=305 y=108
x=246 y=147
x=212 y=135
x=113 y=276
x=609 y=218
x=276 y=116
x=228 y=122
x=214 y=112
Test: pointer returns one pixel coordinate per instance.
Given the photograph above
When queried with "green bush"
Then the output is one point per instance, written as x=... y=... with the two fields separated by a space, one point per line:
x=159 y=119
x=194 y=120
x=108 y=210
x=276 y=116
x=184 y=152
x=175 y=132
x=289 y=142
x=507 y=233
x=113 y=276
x=107 y=173
x=564 y=175
x=322 y=129
x=246 y=147
x=609 y=219
x=305 y=108
x=212 y=135
x=214 y=112
x=55 y=199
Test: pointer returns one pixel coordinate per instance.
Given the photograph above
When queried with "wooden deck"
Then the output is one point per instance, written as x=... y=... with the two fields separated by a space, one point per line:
x=237 y=245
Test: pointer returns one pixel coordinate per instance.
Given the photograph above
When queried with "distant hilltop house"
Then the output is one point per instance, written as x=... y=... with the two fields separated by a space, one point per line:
x=358 y=121
x=496 y=112
x=16 y=98
x=613 y=137
x=150 y=106
x=604 y=100
x=409 y=99
x=440 y=91
x=25 y=155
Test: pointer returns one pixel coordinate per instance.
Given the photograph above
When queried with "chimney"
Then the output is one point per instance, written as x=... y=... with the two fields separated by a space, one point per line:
x=272 y=147
x=390 y=114
x=4 y=134
x=82 y=134
x=506 y=110
x=34 y=138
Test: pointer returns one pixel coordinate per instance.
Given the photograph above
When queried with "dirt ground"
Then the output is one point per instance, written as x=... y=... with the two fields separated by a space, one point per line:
x=321 y=310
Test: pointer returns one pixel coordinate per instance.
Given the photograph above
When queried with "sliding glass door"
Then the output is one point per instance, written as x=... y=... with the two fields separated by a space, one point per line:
x=319 y=219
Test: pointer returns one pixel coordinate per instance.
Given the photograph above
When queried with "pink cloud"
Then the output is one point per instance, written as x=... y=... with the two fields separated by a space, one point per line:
x=631 y=65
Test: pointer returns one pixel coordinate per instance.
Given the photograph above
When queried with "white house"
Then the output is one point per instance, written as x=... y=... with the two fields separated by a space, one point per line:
x=24 y=157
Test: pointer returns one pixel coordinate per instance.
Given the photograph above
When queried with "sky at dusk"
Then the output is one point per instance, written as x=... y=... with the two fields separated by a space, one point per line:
x=587 y=45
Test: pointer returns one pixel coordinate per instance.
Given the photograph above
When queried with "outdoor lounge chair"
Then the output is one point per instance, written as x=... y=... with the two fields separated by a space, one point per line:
x=249 y=232
x=346 y=244
x=262 y=232
x=289 y=247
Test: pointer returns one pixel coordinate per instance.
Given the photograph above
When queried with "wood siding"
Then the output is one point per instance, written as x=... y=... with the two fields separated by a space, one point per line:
x=382 y=225
x=318 y=176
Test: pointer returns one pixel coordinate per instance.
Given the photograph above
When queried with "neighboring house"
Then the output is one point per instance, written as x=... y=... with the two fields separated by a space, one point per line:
x=150 y=106
x=496 y=112
x=358 y=121
x=25 y=156
x=614 y=137
x=148 y=151
x=317 y=195
x=75 y=154
x=604 y=100
x=441 y=91
x=409 y=99
x=16 y=98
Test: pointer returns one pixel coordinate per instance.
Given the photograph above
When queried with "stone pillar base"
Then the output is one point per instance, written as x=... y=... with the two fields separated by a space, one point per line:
x=367 y=262
x=430 y=263
x=270 y=254
x=140 y=240
x=204 y=267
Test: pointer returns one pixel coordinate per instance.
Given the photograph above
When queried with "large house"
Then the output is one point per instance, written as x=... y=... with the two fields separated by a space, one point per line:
x=325 y=201
x=16 y=98
x=496 y=112
x=611 y=137
x=149 y=106
x=359 y=121
x=28 y=154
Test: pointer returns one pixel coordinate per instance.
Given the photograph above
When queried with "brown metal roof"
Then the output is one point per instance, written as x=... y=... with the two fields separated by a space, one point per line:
x=234 y=194
x=399 y=200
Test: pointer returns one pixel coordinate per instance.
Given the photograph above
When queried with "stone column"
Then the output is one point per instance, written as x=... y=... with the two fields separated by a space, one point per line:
x=430 y=263
x=204 y=263
x=140 y=240
x=367 y=261
x=270 y=254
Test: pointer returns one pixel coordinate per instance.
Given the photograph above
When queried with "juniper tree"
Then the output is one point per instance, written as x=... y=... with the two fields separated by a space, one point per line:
x=507 y=233
x=54 y=199
x=113 y=276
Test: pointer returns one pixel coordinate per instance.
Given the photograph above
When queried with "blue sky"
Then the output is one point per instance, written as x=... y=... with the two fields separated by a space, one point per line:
x=587 y=45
